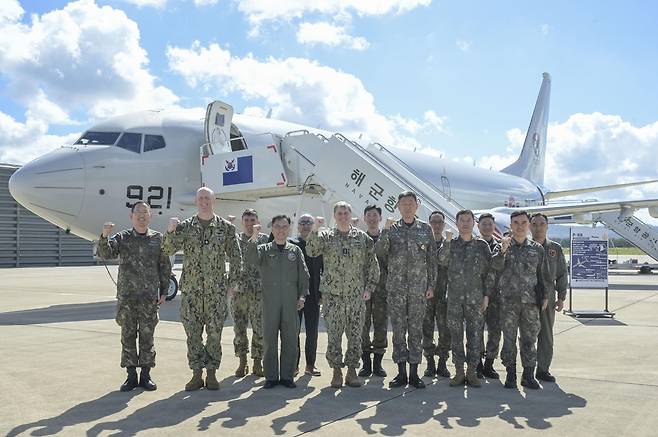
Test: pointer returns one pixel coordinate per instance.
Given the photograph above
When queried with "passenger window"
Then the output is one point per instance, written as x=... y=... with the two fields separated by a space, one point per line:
x=130 y=141
x=153 y=142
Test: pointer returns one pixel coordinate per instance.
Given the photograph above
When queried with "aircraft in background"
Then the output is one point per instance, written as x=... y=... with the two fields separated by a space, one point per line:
x=162 y=157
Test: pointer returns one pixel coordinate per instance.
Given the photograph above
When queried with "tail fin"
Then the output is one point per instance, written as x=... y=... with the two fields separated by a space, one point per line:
x=530 y=164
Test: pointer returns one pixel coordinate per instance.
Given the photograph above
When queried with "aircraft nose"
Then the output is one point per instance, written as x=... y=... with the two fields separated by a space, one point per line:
x=51 y=186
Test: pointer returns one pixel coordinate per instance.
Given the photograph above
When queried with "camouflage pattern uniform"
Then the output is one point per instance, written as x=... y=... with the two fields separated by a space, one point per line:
x=247 y=306
x=557 y=267
x=144 y=272
x=376 y=314
x=350 y=268
x=285 y=280
x=525 y=269
x=436 y=311
x=492 y=313
x=411 y=255
x=204 y=284
x=468 y=264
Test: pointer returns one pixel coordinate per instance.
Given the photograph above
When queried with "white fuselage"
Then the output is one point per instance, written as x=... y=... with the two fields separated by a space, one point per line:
x=82 y=186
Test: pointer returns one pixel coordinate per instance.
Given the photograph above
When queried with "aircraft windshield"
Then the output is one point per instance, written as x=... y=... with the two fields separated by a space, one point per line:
x=98 y=138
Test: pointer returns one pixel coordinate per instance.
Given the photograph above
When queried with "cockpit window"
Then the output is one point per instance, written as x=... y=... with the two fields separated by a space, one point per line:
x=98 y=138
x=153 y=142
x=130 y=141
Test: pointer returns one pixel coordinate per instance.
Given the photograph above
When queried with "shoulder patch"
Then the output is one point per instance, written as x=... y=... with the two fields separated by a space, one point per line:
x=552 y=252
x=292 y=256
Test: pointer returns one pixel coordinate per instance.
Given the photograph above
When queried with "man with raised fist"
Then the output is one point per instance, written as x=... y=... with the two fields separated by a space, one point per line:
x=208 y=242
x=350 y=276
x=144 y=272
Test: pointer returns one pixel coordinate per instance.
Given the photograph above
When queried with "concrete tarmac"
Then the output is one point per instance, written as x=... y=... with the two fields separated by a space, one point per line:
x=60 y=374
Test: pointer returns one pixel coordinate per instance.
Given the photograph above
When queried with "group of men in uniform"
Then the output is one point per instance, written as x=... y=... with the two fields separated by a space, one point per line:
x=407 y=272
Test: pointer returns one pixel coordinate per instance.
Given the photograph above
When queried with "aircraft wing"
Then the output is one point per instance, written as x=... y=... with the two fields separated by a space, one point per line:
x=553 y=210
x=565 y=193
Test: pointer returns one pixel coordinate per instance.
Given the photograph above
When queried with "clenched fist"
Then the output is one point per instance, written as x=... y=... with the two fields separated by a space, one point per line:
x=389 y=223
x=504 y=244
x=319 y=222
x=254 y=235
x=107 y=229
x=231 y=219
x=449 y=235
x=173 y=222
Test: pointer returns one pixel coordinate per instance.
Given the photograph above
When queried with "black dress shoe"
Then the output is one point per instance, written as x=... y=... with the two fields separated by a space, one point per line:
x=288 y=383
x=270 y=384
x=545 y=376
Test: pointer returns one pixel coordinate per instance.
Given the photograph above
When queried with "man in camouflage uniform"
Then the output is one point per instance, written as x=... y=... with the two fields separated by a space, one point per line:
x=487 y=226
x=436 y=311
x=247 y=303
x=376 y=309
x=467 y=260
x=350 y=276
x=285 y=286
x=144 y=273
x=557 y=267
x=208 y=242
x=410 y=249
x=524 y=281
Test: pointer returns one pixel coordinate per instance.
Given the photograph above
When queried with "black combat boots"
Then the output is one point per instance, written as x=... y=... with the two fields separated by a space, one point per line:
x=431 y=367
x=510 y=380
x=377 y=368
x=131 y=380
x=414 y=379
x=528 y=380
x=145 y=380
x=400 y=379
x=488 y=369
x=366 y=369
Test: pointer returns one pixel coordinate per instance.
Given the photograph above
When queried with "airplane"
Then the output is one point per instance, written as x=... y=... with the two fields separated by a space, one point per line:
x=162 y=157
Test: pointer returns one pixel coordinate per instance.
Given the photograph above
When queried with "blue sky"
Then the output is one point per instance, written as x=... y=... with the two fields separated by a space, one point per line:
x=457 y=78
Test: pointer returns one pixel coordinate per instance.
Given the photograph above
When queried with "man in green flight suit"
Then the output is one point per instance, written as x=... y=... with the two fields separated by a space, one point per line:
x=285 y=284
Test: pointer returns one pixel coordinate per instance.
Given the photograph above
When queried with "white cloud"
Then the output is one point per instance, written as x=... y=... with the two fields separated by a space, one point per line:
x=329 y=34
x=205 y=2
x=67 y=56
x=298 y=90
x=22 y=142
x=145 y=3
x=545 y=29
x=10 y=10
x=82 y=59
x=463 y=45
x=591 y=150
x=261 y=11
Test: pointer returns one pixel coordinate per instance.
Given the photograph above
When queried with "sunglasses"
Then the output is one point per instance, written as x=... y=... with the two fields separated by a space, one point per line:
x=305 y=222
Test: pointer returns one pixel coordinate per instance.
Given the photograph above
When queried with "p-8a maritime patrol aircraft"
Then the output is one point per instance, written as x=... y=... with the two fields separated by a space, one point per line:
x=162 y=157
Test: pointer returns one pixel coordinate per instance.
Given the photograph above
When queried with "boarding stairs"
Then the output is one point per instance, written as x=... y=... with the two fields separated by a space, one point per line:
x=632 y=229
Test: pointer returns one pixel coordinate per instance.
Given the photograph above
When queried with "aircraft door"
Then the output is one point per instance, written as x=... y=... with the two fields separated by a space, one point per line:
x=217 y=126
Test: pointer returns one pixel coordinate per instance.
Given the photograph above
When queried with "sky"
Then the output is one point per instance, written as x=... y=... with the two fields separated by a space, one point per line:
x=457 y=79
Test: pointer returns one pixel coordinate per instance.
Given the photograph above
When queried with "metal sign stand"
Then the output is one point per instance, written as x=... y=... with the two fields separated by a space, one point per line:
x=588 y=314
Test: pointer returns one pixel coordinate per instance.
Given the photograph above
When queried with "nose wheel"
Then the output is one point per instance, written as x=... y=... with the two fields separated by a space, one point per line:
x=173 y=288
